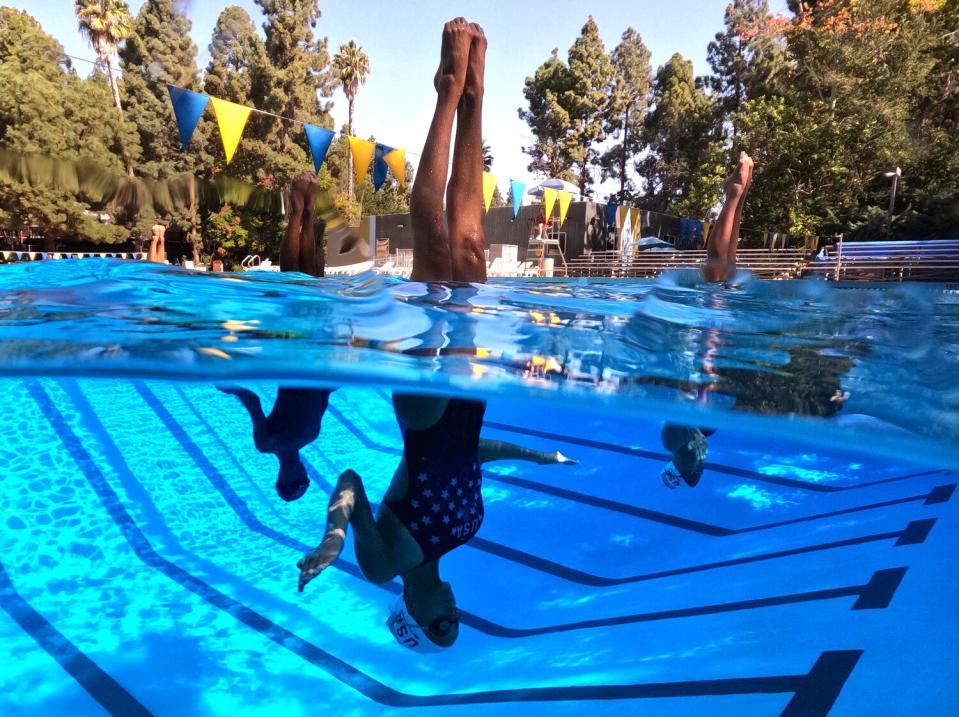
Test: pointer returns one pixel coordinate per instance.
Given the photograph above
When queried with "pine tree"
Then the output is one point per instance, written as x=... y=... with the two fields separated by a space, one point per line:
x=297 y=74
x=683 y=170
x=748 y=59
x=586 y=98
x=237 y=58
x=160 y=52
x=628 y=103
x=548 y=120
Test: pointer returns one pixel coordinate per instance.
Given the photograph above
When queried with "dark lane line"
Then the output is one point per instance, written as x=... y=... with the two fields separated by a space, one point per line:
x=111 y=695
x=935 y=495
x=487 y=626
x=916 y=532
x=812 y=685
x=717 y=467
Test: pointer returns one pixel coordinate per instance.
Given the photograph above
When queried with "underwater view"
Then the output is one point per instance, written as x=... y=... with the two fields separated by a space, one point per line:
x=149 y=566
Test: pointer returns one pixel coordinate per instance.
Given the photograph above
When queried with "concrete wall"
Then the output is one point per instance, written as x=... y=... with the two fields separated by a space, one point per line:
x=501 y=228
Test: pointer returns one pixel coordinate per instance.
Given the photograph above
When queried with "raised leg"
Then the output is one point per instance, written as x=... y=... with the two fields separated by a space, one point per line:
x=308 y=248
x=290 y=247
x=721 y=252
x=431 y=244
x=464 y=196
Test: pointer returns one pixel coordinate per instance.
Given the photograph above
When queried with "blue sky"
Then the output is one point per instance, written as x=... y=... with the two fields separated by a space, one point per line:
x=402 y=41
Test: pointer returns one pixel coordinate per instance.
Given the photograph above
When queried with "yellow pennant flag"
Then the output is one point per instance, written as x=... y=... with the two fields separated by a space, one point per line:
x=621 y=216
x=489 y=186
x=549 y=199
x=564 y=199
x=231 y=119
x=362 y=151
x=396 y=161
x=706 y=227
x=637 y=217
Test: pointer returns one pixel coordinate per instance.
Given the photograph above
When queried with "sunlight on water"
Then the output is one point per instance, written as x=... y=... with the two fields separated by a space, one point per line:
x=673 y=347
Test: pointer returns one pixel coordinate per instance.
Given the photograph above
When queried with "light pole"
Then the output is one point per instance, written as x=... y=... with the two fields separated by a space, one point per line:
x=895 y=174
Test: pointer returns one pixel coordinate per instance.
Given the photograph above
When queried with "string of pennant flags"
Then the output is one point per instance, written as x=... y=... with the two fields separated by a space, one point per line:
x=231 y=119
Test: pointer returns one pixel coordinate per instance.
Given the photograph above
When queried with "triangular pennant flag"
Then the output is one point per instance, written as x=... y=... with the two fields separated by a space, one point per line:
x=188 y=107
x=549 y=199
x=396 y=161
x=379 y=165
x=362 y=151
x=231 y=119
x=516 y=189
x=611 y=210
x=706 y=227
x=6 y=255
x=489 y=187
x=319 y=140
x=621 y=213
x=564 y=199
x=637 y=220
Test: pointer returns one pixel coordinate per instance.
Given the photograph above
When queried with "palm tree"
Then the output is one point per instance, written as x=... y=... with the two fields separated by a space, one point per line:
x=352 y=67
x=487 y=157
x=106 y=23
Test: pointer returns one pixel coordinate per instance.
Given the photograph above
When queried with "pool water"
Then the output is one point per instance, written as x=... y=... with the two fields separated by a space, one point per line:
x=149 y=568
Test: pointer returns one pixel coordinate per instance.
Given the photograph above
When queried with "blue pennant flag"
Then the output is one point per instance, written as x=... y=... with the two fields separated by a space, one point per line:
x=379 y=165
x=319 y=140
x=611 y=210
x=517 y=189
x=188 y=107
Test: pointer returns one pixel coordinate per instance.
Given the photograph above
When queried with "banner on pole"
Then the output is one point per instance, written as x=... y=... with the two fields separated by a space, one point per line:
x=611 y=210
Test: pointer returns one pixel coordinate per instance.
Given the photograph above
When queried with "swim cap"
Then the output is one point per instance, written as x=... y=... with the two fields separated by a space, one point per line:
x=671 y=476
x=407 y=631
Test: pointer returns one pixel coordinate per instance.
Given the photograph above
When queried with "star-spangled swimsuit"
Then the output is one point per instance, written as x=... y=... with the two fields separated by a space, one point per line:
x=443 y=505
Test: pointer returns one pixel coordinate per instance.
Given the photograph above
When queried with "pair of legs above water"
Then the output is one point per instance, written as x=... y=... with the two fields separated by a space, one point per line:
x=297 y=412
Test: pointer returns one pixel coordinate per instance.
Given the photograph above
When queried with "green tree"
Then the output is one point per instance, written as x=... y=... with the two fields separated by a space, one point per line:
x=862 y=95
x=160 y=52
x=747 y=59
x=106 y=23
x=352 y=67
x=628 y=103
x=296 y=75
x=237 y=58
x=548 y=119
x=568 y=103
x=46 y=110
x=683 y=169
x=587 y=98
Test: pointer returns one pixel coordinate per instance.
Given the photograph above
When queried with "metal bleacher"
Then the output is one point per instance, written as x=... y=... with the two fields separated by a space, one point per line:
x=928 y=260
x=780 y=264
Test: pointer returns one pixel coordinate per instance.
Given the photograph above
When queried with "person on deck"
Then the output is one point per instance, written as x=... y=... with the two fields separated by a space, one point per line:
x=434 y=503
x=297 y=413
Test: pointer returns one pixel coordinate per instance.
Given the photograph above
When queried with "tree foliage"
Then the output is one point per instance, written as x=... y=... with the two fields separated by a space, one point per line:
x=828 y=97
